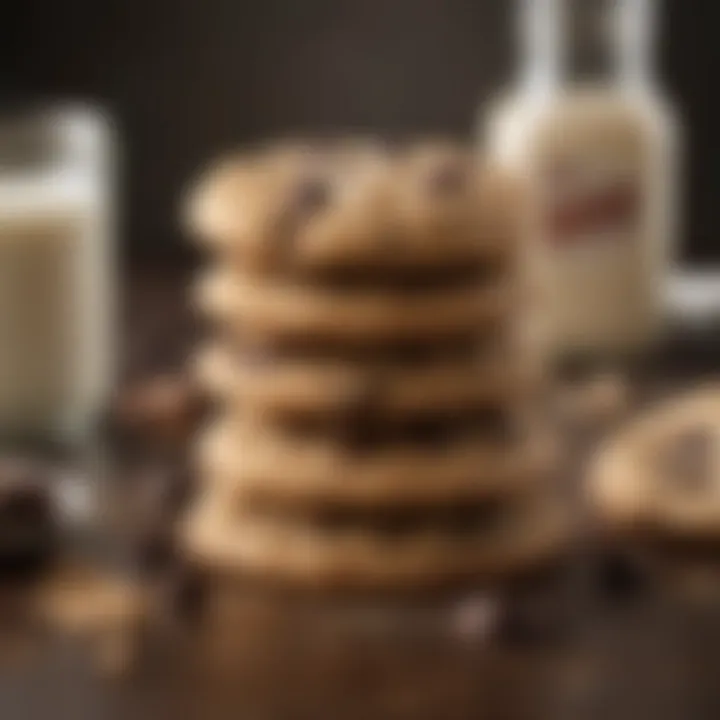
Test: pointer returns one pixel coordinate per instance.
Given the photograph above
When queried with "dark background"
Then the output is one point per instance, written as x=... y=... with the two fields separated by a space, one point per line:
x=188 y=78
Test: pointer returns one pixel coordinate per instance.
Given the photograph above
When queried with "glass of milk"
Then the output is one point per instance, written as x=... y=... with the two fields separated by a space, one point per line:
x=56 y=273
x=590 y=129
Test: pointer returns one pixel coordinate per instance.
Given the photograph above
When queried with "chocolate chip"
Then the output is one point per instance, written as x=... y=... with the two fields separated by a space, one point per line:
x=448 y=178
x=312 y=194
x=621 y=577
x=309 y=196
x=27 y=505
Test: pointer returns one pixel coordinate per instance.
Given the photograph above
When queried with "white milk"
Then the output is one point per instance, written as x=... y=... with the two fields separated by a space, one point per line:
x=56 y=276
x=598 y=145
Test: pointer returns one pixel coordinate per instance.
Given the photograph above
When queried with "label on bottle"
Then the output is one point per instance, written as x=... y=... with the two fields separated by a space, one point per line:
x=584 y=204
x=592 y=225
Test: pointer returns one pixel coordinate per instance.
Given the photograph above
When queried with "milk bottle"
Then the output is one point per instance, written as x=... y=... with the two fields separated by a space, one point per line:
x=56 y=273
x=589 y=128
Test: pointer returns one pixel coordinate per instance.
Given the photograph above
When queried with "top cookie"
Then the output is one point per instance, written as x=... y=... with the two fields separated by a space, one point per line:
x=352 y=211
x=662 y=474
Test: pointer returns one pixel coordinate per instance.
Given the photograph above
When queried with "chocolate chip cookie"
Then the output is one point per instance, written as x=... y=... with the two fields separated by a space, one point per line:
x=661 y=475
x=520 y=539
x=285 y=469
x=349 y=211
x=300 y=387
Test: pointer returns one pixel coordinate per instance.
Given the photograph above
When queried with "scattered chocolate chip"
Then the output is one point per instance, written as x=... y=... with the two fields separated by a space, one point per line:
x=621 y=577
x=183 y=591
x=25 y=504
x=27 y=518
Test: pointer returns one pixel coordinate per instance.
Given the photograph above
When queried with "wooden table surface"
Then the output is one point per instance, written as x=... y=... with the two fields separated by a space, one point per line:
x=626 y=646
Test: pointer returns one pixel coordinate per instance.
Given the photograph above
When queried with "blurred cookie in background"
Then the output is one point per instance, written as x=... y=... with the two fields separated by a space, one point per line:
x=656 y=486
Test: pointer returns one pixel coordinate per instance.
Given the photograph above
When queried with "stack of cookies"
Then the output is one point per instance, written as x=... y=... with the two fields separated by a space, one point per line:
x=375 y=394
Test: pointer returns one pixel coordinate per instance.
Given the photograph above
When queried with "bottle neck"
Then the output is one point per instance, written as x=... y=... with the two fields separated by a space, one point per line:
x=586 y=42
